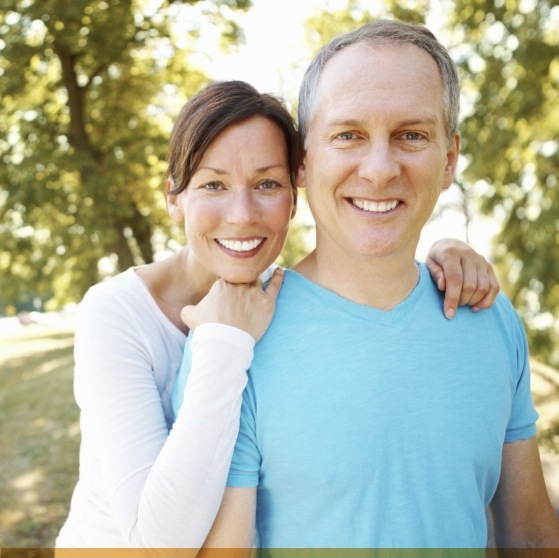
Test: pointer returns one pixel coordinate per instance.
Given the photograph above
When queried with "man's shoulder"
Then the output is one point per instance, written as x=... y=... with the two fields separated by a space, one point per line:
x=502 y=307
x=296 y=287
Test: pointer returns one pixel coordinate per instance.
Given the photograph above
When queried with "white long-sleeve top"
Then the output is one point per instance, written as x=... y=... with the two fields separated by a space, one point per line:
x=144 y=482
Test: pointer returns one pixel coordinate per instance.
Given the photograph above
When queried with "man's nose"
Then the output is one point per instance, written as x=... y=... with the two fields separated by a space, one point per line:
x=379 y=164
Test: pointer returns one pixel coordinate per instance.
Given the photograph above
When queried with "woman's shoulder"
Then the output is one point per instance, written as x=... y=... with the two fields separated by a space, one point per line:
x=125 y=280
x=123 y=290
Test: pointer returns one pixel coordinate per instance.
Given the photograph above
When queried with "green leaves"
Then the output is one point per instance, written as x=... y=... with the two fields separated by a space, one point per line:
x=89 y=91
x=511 y=139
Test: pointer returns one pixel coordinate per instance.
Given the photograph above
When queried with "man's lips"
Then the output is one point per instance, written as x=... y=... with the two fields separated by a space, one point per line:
x=375 y=206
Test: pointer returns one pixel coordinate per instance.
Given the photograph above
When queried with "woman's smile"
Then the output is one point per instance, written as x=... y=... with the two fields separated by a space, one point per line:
x=239 y=202
x=241 y=246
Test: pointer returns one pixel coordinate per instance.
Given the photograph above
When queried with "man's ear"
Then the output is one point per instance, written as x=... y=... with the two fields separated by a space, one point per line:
x=173 y=207
x=451 y=161
x=295 y=198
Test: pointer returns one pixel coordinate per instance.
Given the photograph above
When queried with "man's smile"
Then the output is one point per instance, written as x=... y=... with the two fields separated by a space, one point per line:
x=374 y=206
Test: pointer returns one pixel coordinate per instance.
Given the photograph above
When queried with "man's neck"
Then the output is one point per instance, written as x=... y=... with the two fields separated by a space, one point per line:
x=379 y=282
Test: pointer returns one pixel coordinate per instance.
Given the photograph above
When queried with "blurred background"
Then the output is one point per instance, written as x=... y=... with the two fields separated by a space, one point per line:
x=89 y=90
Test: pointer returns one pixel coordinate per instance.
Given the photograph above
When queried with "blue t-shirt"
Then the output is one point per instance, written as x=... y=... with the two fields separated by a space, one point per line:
x=177 y=395
x=365 y=428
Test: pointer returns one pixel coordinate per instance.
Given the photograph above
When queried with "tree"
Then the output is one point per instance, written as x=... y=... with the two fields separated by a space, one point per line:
x=89 y=89
x=326 y=24
x=509 y=55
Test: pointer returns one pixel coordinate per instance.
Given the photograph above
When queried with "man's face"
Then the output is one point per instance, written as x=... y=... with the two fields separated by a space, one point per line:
x=377 y=156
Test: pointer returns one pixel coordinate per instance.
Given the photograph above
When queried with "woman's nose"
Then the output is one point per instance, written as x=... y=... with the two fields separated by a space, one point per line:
x=243 y=209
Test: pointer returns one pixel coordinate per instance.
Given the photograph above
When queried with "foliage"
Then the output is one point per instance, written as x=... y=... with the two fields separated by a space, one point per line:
x=299 y=241
x=325 y=24
x=88 y=91
x=508 y=55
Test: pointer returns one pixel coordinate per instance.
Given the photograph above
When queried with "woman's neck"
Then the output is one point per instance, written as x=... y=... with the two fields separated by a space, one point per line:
x=176 y=282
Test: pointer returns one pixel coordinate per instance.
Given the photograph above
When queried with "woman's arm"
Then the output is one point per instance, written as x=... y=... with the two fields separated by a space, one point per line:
x=164 y=488
x=201 y=442
x=464 y=275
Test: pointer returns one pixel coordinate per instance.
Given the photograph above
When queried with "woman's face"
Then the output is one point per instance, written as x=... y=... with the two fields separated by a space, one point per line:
x=239 y=202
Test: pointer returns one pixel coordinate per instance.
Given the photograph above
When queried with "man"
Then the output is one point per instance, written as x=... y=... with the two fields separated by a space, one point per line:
x=370 y=420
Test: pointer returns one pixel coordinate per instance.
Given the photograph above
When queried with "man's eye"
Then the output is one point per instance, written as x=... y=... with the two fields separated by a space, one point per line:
x=346 y=136
x=413 y=136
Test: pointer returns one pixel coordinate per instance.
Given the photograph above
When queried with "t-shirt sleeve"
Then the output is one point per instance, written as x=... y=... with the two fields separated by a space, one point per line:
x=522 y=423
x=245 y=464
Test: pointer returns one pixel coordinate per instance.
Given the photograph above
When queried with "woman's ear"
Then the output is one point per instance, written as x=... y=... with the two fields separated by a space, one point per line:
x=173 y=206
x=300 y=177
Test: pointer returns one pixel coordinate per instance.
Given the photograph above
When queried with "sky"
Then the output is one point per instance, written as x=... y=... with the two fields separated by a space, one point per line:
x=274 y=56
x=273 y=59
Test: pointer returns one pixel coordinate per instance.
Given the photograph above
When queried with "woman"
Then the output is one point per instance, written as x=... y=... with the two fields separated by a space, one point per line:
x=143 y=481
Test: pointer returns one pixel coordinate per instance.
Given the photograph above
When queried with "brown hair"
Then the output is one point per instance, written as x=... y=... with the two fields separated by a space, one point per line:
x=214 y=108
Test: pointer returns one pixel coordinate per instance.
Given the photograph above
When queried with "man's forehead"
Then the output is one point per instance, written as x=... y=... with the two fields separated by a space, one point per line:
x=368 y=58
x=363 y=73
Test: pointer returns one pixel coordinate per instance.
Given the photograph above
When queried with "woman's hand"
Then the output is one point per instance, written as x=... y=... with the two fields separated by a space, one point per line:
x=245 y=306
x=466 y=276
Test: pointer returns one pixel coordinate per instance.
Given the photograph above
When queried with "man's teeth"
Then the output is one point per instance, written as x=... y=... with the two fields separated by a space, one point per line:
x=376 y=207
x=240 y=245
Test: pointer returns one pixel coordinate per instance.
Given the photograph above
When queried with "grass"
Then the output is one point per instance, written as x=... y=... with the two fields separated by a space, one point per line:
x=39 y=437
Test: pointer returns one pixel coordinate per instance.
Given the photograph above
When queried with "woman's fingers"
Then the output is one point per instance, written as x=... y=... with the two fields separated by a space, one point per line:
x=244 y=306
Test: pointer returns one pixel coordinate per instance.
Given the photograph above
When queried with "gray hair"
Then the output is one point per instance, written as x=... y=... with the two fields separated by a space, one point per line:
x=383 y=32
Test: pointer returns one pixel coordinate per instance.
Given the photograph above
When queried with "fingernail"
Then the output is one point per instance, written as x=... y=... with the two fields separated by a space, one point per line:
x=450 y=313
x=474 y=309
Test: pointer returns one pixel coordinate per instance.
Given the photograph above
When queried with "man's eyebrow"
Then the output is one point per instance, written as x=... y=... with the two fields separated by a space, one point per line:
x=340 y=123
x=430 y=120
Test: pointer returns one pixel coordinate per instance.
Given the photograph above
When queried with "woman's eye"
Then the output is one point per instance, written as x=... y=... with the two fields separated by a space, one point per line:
x=212 y=186
x=268 y=185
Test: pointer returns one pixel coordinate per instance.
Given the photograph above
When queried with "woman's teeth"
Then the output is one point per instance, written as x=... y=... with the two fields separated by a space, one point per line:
x=240 y=245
